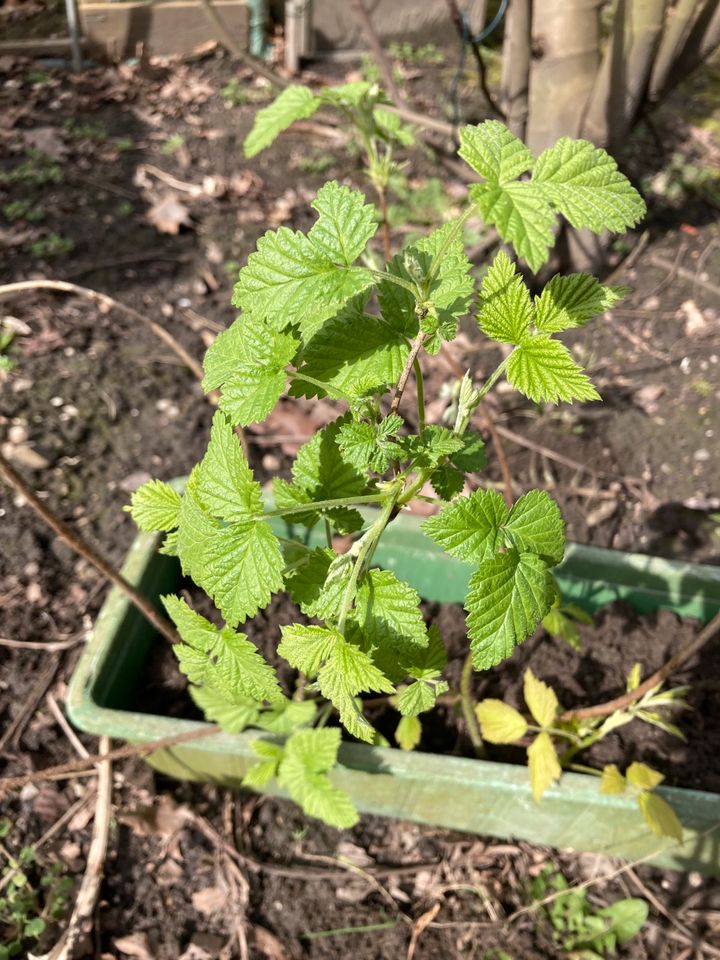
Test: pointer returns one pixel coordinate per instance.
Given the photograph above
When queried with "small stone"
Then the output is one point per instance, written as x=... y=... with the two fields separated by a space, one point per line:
x=702 y=455
x=56 y=401
x=17 y=434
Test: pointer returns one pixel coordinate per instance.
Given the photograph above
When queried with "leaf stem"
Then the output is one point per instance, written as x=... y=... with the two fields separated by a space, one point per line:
x=321 y=505
x=380 y=275
x=417 y=345
x=468 y=707
x=366 y=547
x=420 y=384
x=452 y=233
x=492 y=379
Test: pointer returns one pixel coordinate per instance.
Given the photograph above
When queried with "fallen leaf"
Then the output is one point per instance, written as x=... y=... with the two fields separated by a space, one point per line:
x=47 y=140
x=607 y=509
x=268 y=944
x=209 y=900
x=135 y=945
x=25 y=456
x=695 y=322
x=646 y=397
x=168 y=214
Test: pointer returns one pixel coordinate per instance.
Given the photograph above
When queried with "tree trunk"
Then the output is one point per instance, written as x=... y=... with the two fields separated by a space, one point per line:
x=703 y=39
x=565 y=41
x=680 y=19
x=516 y=66
x=623 y=79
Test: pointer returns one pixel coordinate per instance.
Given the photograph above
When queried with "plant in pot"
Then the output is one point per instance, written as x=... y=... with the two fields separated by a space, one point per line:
x=321 y=318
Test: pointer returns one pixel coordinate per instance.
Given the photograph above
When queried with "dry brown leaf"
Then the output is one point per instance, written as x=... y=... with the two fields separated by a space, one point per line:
x=420 y=925
x=24 y=456
x=135 y=945
x=695 y=322
x=209 y=900
x=268 y=944
x=163 y=818
x=168 y=214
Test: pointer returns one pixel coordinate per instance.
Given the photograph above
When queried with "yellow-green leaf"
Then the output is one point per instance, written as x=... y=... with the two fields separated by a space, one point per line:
x=540 y=699
x=500 y=723
x=660 y=816
x=409 y=732
x=543 y=763
x=634 y=677
x=612 y=781
x=644 y=777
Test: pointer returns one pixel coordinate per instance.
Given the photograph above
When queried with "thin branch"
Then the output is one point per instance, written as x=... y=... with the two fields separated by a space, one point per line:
x=381 y=58
x=62 y=286
x=81 y=547
x=475 y=47
x=660 y=676
x=402 y=382
x=92 y=878
x=81 y=768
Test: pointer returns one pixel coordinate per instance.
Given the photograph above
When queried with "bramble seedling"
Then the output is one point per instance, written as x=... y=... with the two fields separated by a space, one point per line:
x=582 y=929
x=317 y=321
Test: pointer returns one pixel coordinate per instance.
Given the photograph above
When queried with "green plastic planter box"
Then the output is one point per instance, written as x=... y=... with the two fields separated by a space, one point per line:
x=471 y=795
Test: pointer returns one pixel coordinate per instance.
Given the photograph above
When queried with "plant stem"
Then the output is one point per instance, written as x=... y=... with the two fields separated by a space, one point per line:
x=382 y=199
x=366 y=547
x=380 y=275
x=492 y=379
x=420 y=384
x=673 y=664
x=468 y=707
x=328 y=533
x=404 y=376
x=321 y=505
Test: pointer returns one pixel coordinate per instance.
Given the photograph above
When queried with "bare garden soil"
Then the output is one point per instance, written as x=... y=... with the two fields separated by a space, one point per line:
x=95 y=406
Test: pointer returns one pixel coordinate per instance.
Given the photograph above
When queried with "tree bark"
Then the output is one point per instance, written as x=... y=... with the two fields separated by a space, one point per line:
x=625 y=71
x=679 y=22
x=703 y=39
x=565 y=39
x=516 y=66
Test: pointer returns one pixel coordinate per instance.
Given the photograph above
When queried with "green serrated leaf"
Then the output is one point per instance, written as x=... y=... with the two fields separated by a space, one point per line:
x=220 y=658
x=155 y=506
x=471 y=458
x=505 y=307
x=450 y=294
x=347 y=672
x=307 y=648
x=543 y=370
x=540 y=699
x=470 y=528
x=345 y=223
x=499 y=722
x=387 y=612
x=507 y=598
x=543 y=765
x=285 y=718
x=408 y=732
x=353 y=352
x=584 y=184
x=259 y=775
x=231 y=715
x=225 y=481
x=447 y=482
x=535 y=525
x=420 y=696
x=660 y=816
x=321 y=473
x=567 y=302
x=294 y=278
x=248 y=362
x=493 y=152
x=309 y=754
x=573 y=178
x=294 y=103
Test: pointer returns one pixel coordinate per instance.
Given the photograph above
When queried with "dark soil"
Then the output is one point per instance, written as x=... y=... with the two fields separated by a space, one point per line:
x=102 y=406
